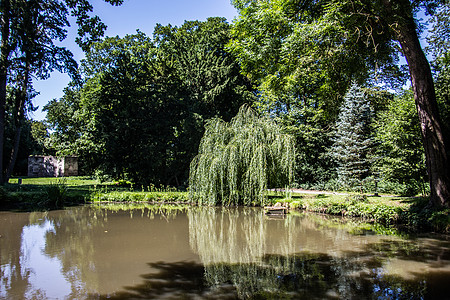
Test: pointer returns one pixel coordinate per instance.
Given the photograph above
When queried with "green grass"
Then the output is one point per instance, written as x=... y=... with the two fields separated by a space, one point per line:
x=50 y=193
x=411 y=213
x=69 y=181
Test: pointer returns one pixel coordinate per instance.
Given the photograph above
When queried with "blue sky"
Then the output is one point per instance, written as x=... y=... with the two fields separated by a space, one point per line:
x=126 y=19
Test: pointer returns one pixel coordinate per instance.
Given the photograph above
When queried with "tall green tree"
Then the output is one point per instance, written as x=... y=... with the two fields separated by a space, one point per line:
x=209 y=73
x=439 y=48
x=29 y=30
x=288 y=39
x=400 y=154
x=141 y=111
x=238 y=161
x=353 y=142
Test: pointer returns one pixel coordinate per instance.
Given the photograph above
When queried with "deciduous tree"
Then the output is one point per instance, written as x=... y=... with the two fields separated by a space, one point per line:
x=288 y=39
x=29 y=30
x=238 y=161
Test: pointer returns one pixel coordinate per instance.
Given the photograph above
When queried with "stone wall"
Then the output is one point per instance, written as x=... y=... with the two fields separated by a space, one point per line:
x=51 y=166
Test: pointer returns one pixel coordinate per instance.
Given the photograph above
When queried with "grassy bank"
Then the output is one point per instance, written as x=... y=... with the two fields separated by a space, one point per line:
x=52 y=193
x=129 y=196
x=408 y=213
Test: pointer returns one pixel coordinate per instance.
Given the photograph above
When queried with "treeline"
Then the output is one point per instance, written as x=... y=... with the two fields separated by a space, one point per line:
x=140 y=110
x=139 y=107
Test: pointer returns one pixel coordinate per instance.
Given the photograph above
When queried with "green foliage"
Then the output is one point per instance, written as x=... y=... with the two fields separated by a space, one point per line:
x=401 y=159
x=238 y=161
x=353 y=143
x=355 y=206
x=140 y=113
x=31 y=31
x=439 y=45
x=125 y=196
x=56 y=194
x=3 y=195
x=407 y=214
x=314 y=49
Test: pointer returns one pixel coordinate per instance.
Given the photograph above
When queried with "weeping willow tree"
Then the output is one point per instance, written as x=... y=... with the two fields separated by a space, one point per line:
x=238 y=161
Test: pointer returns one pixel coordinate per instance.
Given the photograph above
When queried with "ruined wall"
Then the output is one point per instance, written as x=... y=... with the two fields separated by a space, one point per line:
x=51 y=166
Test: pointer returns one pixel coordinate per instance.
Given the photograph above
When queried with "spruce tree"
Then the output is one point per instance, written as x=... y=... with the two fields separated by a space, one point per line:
x=352 y=142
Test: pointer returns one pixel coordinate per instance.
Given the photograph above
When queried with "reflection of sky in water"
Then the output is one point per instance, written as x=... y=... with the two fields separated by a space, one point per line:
x=45 y=273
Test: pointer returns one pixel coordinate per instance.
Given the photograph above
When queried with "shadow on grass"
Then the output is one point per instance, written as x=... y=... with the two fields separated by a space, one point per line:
x=421 y=216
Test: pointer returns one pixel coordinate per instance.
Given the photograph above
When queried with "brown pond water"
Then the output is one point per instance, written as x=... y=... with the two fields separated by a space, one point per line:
x=212 y=253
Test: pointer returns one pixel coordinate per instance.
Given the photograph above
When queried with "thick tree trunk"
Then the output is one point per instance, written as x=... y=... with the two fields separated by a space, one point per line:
x=2 y=121
x=20 y=107
x=4 y=57
x=434 y=141
x=14 y=152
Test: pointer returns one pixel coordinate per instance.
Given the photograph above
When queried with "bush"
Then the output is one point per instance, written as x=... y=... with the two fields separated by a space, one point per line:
x=56 y=194
x=101 y=176
x=3 y=195
x=407 y=189
x=124 y=196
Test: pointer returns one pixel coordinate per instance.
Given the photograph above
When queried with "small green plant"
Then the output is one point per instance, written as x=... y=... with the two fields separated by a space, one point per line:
x=101 y=176
x=354 y=199
x=56 y=194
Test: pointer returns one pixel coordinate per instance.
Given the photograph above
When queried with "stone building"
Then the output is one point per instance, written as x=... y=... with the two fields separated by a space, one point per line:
x=51 y=166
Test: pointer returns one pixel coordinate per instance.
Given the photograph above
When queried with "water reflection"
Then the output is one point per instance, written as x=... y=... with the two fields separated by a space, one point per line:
x=300 y=256
x=85 y=251
x=154 y=252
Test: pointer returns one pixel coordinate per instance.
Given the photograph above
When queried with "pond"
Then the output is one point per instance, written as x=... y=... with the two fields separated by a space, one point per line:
x=204 y=253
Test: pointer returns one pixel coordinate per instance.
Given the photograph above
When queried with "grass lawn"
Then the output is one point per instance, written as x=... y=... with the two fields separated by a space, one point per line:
x=412 y=213
x=50 y=193
x=69 y=181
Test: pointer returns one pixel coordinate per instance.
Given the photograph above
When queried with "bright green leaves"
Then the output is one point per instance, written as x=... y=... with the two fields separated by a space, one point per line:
x=238 y=161
x=313 y=49
x=400 y=151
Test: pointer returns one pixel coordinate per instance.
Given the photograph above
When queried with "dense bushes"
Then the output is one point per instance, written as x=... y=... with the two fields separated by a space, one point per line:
x=128 y=196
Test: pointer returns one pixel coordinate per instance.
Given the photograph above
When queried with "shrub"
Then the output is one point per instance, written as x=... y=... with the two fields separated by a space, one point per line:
x=56 y=194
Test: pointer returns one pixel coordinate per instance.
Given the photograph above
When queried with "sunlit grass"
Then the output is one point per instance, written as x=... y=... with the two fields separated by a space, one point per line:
x=70 y=181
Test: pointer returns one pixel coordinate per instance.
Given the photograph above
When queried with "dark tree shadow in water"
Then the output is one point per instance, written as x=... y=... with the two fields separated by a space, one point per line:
x=300 y=276
x=179 y=280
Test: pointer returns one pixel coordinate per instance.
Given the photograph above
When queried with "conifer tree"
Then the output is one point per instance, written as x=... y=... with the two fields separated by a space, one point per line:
x=352 y=142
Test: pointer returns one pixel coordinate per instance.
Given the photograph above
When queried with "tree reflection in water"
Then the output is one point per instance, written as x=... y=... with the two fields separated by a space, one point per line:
x=296 y=257
x=308 y=277
x=147 y=253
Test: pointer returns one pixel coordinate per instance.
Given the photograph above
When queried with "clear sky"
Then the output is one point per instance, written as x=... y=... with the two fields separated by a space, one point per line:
x=126 y=19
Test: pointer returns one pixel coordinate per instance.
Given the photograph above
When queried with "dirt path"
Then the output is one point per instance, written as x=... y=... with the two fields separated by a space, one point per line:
x=314 y=192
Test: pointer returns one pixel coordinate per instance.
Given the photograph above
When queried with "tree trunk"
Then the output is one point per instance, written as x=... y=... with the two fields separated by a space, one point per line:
x=20 y=106
x=434 y=141
x=2 y=120
x=4 y=56
x=14 y=152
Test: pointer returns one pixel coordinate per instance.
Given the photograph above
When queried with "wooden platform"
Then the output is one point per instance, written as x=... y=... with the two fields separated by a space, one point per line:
x=276 y=210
